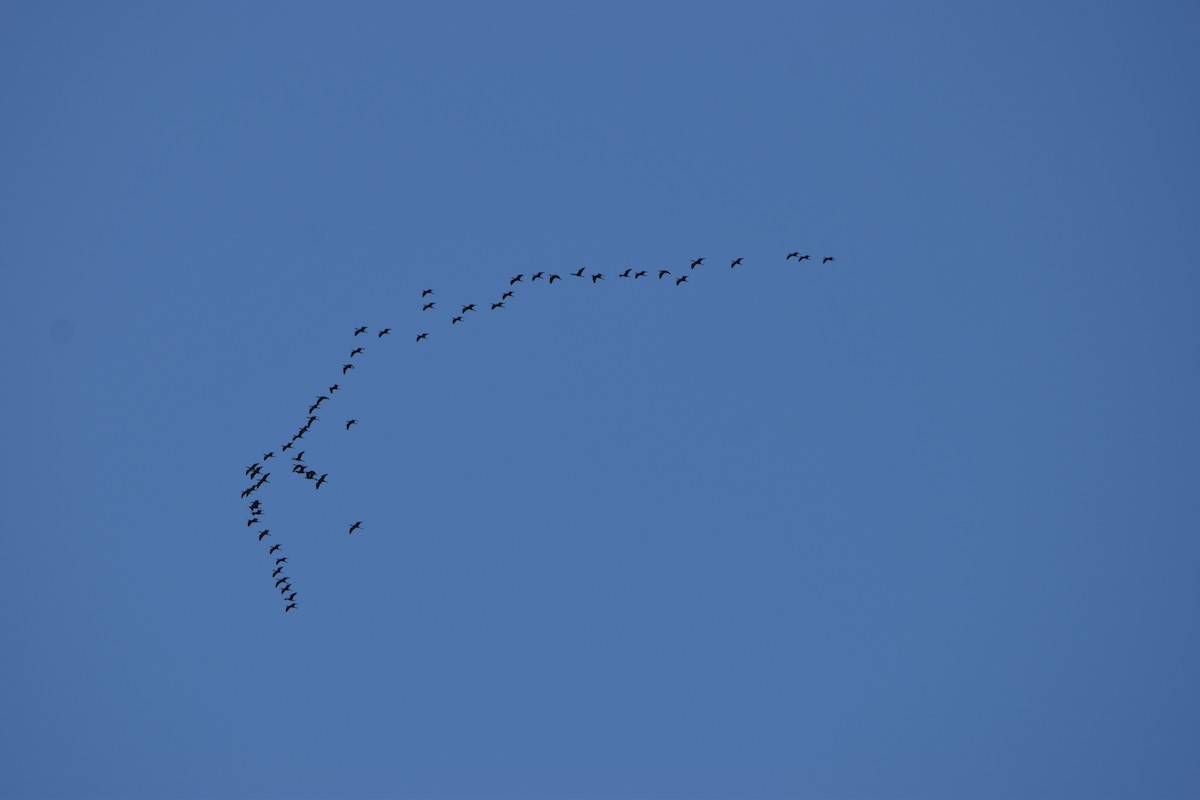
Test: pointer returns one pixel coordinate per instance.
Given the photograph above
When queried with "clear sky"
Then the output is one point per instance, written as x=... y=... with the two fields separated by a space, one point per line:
x=917 y=524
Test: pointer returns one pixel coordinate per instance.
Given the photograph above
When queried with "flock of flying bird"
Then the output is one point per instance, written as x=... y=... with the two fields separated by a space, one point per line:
x=257 y=472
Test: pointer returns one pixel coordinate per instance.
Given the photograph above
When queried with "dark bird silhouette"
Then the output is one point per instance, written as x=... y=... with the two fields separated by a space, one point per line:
x=680 y=279
x=321 y=479
x=246 y=493
x=793 y=254
x=827 y=259
x=599 y=276
x=257 y=512
x=299 y=456
x=456 y=320
x=313 y=407
x=281 y=559
x=363 y=329
x=427 y=292
x=346 y=368
x=312 y=473
x=578 y=274
x=284 y=579
x=268 y=455
x=290 y=597
x=298 y=434
x=803 y=258
x=289 y=608
x=287 y=587
x=428 y=306
x=334 y=388
x=506 y=295
x=287 y=446
x=355 y=351
x=355 y=526
x=517 y=279
x=264 y=533
x=639 y=274
x=422 y=336
x=736 y=261
x=350 y=422
x=662 y=272
x=471 y=307
x=251 y=468
x=497 y=305
x=277 y=571
x=625 y=274
x=554 y=278
x=298 y=469
x=252 y=521
x=256 y=504
x=697 y=263
x=536 y=276
x=384 y=332
x=274 y=547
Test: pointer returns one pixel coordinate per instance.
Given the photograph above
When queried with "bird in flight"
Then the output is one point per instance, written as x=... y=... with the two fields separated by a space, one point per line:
x=299 y=456
x=355 y=526
x=599 y=276
x=284 y=579
x=350 y=422
x=428 y=306
x=268 y=455
x=287 y=587
x=426 y=292
x=256 y=504
x=697 y=263
x=536 y=276
x=639 y=274
x=346 y=368
x=625 y=274
x=662 y=272
x=803 y=258
x=289 y=608
x=277 y=571
x=264 y=533
x=827 y=259
x=312 y=473
x=334 y=388
x=578 y=274
x=736 y=261
x=355 y=351
x=321 y=479
x=471 y=307
x=274 y=547
x=680 y=279
x=517 y=279
x=281 y=559
x=363 y=329
x=290 y=597
x=506 y=295
x=497 y=305
x=251 y=468
x=554 y=278
x=384 y=332
x=456 y=320
x=422 y=336
x=252 y=521
x=793 y=254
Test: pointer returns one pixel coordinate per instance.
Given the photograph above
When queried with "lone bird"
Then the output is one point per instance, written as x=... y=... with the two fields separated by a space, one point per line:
x=256 y=504
x=334 y=388
x=346 y=368
x=355 y=526
x=422 y=336
x=264 y=533
x=735 y=262
x=284 y=579
x=680 y=279
x=456 y=320
x=536 y=276
x=290 y=597
x=268 y=455
x=355 y=351
x=363 y=329
x=639 y=274
x=299 y=456
x=350 y=422
x=277 y=571
x=289 y=608
x=274 y=547
x=252 y=521
x=281 y=559
x=287 y=587
x=599 y=276
x=497 y=305
x=313 y=407
x=471 y=307
x=321 y=479
x=827 y=259
x=793 y=254
x=384 y=332
x=428 y=306
x=625 y=274
x=697 y=263
x=803 y=258
x=554 y=278
x=578 y=274
x=517 y=279
x=427 y=292
x=662 y=272
x=312 y=473
x=506 y=295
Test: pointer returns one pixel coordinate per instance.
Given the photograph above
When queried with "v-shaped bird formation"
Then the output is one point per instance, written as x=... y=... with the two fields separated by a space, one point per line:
x=259 y=474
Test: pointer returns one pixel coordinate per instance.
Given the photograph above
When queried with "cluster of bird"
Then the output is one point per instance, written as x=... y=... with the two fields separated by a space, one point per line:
x=256 y=471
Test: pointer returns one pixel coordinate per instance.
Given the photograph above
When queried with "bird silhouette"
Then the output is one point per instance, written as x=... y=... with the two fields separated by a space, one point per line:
x=384 y=332
x=456 y=320
x=251 y=468
x=298 y=469
x=312 y=473
x=287 y=446
x=554 y=278
x=274 y=547
x=256 y=504
x=793 y=254
x=827 y=259
x=355 y=526
x=471 y=307
x=517 y=279
x=680 y=279
x=639 y=274
x=281 y=559
x=299 y=434
x=252 y=521
x=334 y=388
x=536 y=276
x=289 y=608
x=697 y=263
x=735 y=262
x=321 y=479
x=426 y=292
x=268 y=455
x=313 y=407
x=625 y=274
x=506 y=295
x=355 y=351
x=284 y=579
x=497 y=305
x=264 y=533
x=277 y=571
x=578 y=274
x=350 y=422
x=299 y=456
x=422 y=336
x=597 y=277
x=363 y=329
x=290 y=597
x=346 y=368
x=428 y=306
x=662 y=272
x=287 y=587
x=803 y=258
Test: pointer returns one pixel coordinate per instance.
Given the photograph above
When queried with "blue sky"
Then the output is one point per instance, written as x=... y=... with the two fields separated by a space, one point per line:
x=917 y=524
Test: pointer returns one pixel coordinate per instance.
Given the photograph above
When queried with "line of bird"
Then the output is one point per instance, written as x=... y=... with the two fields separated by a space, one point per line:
x=256 y=471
